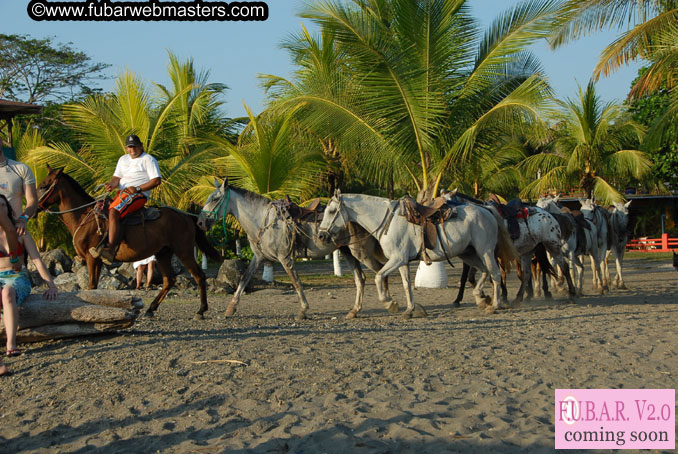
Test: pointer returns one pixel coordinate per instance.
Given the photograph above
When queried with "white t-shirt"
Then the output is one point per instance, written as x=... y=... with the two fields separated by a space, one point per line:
x=135 y=172
x=14 y=177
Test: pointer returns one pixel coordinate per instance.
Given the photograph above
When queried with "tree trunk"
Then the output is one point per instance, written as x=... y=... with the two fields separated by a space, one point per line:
x=70 y=315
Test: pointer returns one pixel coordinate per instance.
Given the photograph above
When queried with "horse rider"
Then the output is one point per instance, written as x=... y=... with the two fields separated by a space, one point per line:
x=16 y=183
x=136 y=174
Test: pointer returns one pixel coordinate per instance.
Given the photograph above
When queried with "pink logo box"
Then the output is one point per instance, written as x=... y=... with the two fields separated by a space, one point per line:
x=615 y=418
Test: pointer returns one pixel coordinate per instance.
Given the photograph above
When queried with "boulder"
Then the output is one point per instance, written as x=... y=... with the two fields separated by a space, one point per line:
x=57 y=262
x=230 y=273
x=69 y=282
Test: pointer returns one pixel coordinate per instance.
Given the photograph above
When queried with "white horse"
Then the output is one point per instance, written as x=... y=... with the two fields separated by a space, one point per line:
x=473 y=234
x=577 y=240
x=274 y=238
x=619 y=236
x=598 y=216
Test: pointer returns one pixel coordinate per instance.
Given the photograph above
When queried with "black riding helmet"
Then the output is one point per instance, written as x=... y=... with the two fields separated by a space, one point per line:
x=133 y=141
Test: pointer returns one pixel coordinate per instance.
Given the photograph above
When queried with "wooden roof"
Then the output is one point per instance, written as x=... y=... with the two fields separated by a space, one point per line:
x=8 y=109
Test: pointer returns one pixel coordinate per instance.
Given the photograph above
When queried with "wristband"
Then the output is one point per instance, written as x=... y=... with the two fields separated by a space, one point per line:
x=14 y=259
x=24 y=217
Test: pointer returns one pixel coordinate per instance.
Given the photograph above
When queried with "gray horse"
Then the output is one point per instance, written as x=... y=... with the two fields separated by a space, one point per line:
x=473 y=234
x=618 y=237
x=598 y=216
x=275 y=238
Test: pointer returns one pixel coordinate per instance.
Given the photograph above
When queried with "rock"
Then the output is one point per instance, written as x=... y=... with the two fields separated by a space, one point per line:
x=83 y=277
x=185 y=282
x=230 y=273
x=68 y=282
x=57 y=262
x=177 y=266
x=36 y=279
x=127 y=271
x=109 y=281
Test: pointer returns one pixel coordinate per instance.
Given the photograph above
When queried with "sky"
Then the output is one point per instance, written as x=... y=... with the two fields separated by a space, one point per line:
x=236 y=52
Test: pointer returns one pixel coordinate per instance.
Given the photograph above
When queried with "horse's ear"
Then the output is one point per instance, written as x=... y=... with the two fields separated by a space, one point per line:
x=216 y=183
x=60 y=171
x=628 y=203
x=224 y=185
x=337 y=193
x=556 y=198
x=49 y=168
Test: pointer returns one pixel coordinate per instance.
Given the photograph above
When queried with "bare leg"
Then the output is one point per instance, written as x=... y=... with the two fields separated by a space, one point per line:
x=149 y=274
x=140 y=276
x=10 y=316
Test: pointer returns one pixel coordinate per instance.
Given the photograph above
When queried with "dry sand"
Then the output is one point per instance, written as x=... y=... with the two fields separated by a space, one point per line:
x=457 y=381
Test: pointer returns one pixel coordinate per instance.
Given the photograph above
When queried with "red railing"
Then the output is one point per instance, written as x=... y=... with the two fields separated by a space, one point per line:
x=644 y=244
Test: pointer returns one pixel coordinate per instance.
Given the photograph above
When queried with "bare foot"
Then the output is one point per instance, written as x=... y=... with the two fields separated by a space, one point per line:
x=3 y=370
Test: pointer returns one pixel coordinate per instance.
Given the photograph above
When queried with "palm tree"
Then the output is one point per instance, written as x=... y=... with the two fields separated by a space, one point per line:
x=592 y=150
x=412 y=90
x=653 y=36
x=270 y=158
x=171 y=125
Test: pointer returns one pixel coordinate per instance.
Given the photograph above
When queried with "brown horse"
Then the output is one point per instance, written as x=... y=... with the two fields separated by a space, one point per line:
x=173 y=233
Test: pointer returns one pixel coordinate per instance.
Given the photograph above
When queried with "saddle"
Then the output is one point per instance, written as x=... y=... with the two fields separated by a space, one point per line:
x=147 y=213
x=143 y=215
x=511 y=211
x=580 y=225
x=290 y=210
x=428 y=217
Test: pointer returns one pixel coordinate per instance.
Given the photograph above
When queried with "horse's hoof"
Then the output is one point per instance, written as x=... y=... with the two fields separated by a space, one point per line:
x=481 y=304
x=570 y=301
x=198 y=317
x=150 y=314
x=393 y=307
x=516 y=303
x=407 y=315
x=230 y=311
x=419 y=311
x=548 y=296
x=489 y=310
x=301 y=316
x=351 y=315
x=456 y=304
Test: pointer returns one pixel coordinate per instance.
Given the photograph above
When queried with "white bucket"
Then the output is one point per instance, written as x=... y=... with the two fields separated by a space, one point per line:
x=431 y=276
x=267 y=275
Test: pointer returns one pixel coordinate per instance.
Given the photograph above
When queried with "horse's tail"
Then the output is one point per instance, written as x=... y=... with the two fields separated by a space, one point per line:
x=543 y=261
x=205 y=245
x=506 y=251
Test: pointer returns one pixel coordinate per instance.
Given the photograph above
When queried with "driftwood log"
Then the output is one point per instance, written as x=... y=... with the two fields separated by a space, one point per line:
x=79 y=314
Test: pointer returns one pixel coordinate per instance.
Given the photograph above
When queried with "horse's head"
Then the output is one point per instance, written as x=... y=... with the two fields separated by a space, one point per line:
x=216 y=205
x=620 y=207
x=334 y=220
x=588 y=208
x=47 y=193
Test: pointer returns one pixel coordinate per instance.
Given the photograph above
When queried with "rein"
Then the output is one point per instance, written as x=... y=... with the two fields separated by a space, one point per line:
x=214 y=214
x=384 y=223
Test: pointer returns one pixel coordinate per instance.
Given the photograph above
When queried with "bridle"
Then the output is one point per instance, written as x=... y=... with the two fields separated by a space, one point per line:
x=213 y=215
x=337 y=212
x=48 y=194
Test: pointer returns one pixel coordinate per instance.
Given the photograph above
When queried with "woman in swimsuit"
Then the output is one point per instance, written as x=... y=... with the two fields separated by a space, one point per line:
x=16 y=286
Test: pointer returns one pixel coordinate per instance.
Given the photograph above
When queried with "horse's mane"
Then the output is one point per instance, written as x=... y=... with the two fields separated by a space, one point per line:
x=249 y=195
x=77 y=187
